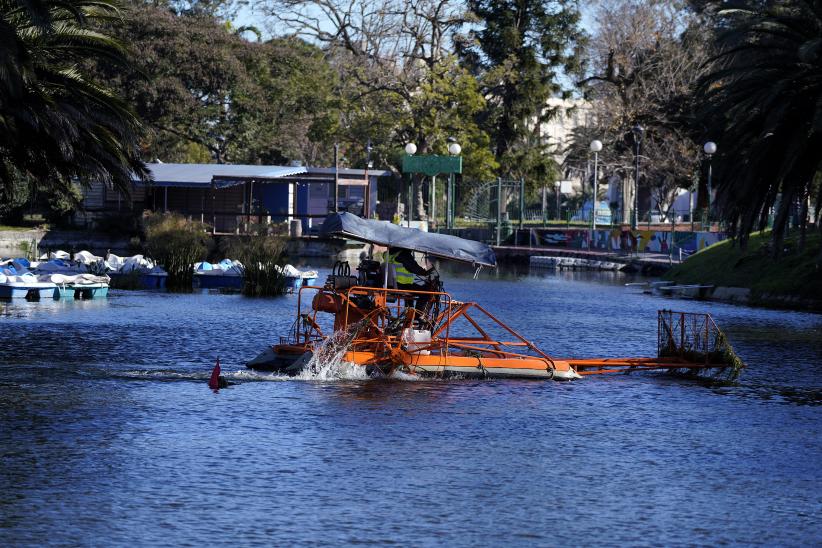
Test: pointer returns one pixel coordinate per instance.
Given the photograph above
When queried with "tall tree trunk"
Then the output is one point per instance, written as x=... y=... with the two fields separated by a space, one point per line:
x=778 y=236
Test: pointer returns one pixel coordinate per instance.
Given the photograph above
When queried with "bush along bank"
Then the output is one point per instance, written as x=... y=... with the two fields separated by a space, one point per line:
x=753 y=276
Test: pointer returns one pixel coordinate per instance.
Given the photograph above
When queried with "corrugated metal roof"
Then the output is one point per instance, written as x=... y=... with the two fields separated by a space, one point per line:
x=222 y=175
x=347 y=171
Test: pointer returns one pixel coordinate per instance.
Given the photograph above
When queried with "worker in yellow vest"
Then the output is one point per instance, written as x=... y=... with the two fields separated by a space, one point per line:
x=407 y=273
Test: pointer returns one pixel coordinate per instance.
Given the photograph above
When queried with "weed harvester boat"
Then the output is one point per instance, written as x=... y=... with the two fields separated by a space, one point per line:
x=357 y=318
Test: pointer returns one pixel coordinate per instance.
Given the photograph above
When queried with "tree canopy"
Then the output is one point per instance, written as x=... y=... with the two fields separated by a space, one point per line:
x=59 y=124
x=644 y=60
x=762 y=104
x=208 y=94
x=520 y=51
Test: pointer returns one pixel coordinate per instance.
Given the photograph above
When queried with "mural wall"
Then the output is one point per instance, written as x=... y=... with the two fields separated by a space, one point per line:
x=624 y=240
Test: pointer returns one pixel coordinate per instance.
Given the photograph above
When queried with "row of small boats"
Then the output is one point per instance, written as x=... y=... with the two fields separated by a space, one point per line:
x=17 y=281
x=85 y=275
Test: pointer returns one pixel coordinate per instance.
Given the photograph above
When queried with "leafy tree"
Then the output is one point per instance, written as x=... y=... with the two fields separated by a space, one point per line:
x=58 y=123
x=644 y=61
x=398 y=82
x=520 y=51
x=209 y=94
x=763 y=106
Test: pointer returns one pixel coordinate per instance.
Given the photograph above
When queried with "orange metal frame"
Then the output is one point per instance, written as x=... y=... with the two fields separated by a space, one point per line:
x=378 y=340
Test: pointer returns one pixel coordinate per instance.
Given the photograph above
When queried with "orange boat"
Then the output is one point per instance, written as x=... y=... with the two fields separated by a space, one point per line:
x=428 y=333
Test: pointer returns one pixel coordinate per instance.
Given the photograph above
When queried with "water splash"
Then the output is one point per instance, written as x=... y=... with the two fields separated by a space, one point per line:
x=327 y=363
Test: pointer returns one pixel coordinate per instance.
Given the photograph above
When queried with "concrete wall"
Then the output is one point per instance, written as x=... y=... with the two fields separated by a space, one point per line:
x=17 y=243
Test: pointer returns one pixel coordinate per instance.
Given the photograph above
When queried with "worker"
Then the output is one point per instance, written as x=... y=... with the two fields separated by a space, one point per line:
x=407 y=273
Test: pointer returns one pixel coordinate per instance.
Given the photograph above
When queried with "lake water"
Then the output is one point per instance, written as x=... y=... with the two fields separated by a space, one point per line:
x=110 y=436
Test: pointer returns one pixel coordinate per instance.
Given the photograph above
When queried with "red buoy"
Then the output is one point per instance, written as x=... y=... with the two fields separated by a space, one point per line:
x=214 y=381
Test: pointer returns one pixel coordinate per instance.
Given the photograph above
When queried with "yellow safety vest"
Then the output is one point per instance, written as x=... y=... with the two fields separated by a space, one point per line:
x=401 y=275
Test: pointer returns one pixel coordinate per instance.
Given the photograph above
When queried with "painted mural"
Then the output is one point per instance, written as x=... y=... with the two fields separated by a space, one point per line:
x=619 y=240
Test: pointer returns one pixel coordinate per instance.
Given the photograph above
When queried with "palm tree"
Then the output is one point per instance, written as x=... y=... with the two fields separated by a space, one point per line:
x=763 y=104
x=57 y=124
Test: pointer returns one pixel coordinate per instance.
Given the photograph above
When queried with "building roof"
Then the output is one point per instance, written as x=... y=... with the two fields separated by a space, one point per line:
x=346 y=171
x=226 y=175
x=221 y=175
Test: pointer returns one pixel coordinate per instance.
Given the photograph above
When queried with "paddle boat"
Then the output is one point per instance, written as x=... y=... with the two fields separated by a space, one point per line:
x=147 y=274
x=24 y=286
x=225 y=274
x=295 y=278
x=363 y=320
x=78 y=286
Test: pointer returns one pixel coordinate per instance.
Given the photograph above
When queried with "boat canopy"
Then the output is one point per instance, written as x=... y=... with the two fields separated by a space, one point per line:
x=388 y=234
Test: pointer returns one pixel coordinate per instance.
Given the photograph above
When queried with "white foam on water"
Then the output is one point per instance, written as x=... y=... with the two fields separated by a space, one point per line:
x=333 y=371
x=327 y=364
x=161 y=374
x=409 y=377
x=251 y=375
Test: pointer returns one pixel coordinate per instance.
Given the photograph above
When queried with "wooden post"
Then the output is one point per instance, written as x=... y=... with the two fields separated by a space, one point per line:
x=213 y=214
x=336 y=177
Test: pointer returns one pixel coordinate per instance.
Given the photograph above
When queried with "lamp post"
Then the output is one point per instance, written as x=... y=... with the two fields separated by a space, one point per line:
x=410 y=150
x=710 y=149
x=596 y=146
x=454 y=149
x=336 y=177
x=637 y=130
x=557 y=186
x=367 y=197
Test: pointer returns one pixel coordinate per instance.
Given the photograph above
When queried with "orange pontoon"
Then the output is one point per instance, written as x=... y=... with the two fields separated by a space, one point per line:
x=428 y=333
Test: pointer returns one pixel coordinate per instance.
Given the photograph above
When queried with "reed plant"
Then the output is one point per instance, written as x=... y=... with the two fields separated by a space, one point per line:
x=176 y=243
x=262 y=254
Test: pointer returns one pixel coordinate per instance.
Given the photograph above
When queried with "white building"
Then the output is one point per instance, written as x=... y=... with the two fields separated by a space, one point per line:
x=558 y=132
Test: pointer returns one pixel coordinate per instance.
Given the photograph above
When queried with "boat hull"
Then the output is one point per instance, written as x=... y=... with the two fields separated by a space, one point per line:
x=286 y=359
x=34 y=291
x=291 y=359
x=64 y=292
x=438 y=365
x=214 y=281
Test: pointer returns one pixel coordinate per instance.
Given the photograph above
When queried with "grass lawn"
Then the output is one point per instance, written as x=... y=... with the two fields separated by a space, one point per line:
x=724 y=264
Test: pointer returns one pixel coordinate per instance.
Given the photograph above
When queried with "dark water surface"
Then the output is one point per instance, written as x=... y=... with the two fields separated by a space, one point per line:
x=109 y=435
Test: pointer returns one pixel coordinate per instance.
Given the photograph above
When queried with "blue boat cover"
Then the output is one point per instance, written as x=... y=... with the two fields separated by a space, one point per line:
x=387 y=234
